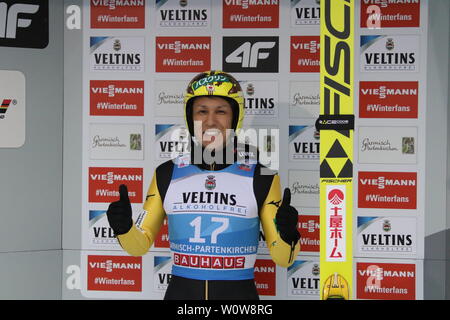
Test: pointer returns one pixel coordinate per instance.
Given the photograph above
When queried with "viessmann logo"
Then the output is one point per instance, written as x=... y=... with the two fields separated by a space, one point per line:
x=104 y=183
x=116 y=98
x=393 y=99
x=114 y=273
x=110 y=265
x=24 y=24
x=250 y=14
x=386 y=281
x=183 y=54
x=305 y=54
x=377 y=14
x=113 y=4
x=117 y=14
x=388 y=190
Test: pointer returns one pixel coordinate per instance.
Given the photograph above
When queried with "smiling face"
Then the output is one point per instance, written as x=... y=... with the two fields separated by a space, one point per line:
x=212 y=117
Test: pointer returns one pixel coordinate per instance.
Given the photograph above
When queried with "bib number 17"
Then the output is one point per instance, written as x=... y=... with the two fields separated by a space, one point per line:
x=197 y=224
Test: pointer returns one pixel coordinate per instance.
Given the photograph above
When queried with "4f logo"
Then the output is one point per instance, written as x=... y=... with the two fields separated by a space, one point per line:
x=24 y=24
x=11 y=18
x=250 y=54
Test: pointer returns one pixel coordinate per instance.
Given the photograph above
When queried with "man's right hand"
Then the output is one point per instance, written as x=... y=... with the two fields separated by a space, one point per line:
x=119 y=213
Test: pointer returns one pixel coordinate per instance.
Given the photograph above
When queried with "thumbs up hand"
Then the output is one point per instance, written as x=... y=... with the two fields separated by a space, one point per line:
x=286 y=219
x=119 y=213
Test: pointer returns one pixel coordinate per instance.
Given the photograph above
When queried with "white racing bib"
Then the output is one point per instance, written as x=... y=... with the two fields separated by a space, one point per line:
x=213 y=222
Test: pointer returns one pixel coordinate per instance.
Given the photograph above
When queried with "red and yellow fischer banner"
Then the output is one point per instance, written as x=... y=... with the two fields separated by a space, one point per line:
x=336 y=123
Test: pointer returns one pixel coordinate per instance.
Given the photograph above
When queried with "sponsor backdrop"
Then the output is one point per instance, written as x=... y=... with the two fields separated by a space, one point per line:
x=138 y=56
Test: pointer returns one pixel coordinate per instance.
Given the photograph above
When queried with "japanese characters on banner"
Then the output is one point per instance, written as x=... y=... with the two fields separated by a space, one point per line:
x=138 y=58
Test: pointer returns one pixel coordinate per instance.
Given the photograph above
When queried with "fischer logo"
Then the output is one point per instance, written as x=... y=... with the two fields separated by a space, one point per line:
x=112 y=4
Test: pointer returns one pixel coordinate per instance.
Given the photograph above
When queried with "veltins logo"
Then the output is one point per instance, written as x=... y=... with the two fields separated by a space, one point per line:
x=250 y=54
x=100 y=233
x=304 y=143
x=303 y=279
x=171 y=140
x=117 y=53
x=305 y=12
x=389 y=236
x=162 y=269
x=114 y=273
x=389 y=53
x=24 y=23
x=261 y=98
x=183 y=14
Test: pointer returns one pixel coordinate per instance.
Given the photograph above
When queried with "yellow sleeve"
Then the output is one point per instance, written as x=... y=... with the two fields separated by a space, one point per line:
x=281 y=252
x=142 y=234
